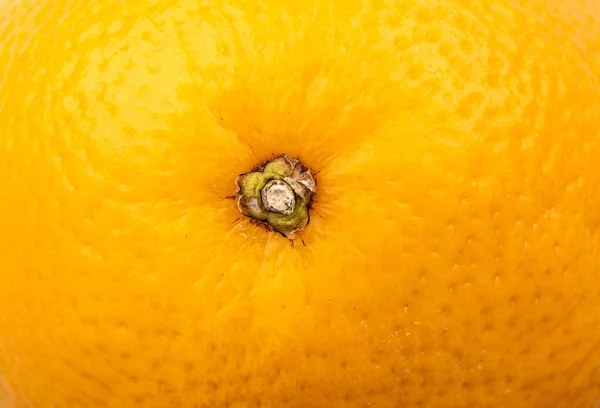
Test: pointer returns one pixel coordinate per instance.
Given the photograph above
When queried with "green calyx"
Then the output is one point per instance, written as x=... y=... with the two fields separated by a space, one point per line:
x=278 y=194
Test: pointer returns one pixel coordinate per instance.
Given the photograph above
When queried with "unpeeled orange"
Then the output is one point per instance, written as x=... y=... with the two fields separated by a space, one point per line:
x=452 y=258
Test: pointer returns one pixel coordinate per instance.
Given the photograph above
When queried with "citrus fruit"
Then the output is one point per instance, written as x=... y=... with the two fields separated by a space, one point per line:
x=449 y=255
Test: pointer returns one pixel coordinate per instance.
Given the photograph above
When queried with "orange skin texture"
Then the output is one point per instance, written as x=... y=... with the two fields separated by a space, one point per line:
x=453 y=253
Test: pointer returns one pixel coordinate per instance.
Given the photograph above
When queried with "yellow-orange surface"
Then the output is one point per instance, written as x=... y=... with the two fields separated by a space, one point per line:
x=453 y=254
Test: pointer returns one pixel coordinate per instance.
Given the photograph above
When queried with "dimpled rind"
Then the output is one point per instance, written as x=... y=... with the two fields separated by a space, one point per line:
x=453 y=253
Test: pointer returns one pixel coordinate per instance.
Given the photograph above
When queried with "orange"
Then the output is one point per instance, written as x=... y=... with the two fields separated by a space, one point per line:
x=452 y=257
